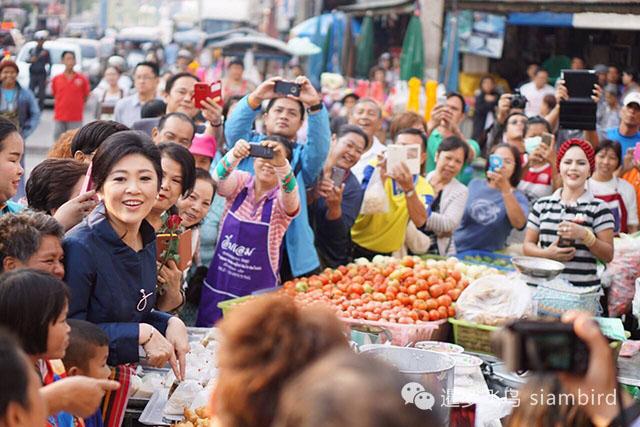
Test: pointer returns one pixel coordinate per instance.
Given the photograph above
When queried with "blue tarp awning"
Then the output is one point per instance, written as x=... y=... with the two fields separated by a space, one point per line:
x=541 y=19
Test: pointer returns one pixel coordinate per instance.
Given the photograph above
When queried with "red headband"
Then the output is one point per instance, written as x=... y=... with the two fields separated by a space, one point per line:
x=584 y=145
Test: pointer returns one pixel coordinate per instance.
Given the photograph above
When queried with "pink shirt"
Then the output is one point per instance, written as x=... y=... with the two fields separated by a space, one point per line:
x=251 y=210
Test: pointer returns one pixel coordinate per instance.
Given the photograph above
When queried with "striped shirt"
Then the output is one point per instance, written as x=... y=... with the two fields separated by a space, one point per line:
x=548 y=212
x=251 y=209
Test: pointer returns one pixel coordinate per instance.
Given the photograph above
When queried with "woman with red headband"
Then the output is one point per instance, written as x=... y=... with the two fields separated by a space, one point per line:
x=572 y=226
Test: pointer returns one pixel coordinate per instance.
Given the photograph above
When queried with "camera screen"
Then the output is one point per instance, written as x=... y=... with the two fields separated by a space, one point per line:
x=551 y=351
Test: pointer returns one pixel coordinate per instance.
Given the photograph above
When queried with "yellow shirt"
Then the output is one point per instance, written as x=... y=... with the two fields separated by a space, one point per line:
x=385 y=233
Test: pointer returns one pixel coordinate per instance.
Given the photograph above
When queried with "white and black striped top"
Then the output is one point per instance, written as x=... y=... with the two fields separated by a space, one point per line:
x=548 y=212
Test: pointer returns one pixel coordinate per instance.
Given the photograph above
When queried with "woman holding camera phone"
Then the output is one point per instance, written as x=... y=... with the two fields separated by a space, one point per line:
x=258 y=211
x=572 y=226
x=494 y=206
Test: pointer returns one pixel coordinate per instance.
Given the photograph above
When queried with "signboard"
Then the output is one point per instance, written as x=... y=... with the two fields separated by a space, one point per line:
x=481 y=33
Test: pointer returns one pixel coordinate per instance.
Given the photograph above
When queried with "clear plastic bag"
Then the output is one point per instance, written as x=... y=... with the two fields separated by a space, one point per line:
x=375 y=199
x=621 y=274
x=185 y=393
x=494 y=300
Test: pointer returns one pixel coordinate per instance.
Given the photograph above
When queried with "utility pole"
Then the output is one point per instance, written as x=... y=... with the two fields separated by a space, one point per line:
x=432 y=19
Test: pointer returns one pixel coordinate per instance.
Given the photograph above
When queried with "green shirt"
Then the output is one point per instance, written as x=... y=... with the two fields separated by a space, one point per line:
x=435 y=139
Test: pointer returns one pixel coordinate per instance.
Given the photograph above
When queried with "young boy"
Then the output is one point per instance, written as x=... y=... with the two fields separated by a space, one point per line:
x=87 y=355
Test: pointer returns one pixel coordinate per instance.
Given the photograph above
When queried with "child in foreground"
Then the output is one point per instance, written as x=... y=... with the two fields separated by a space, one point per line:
x=87 y=355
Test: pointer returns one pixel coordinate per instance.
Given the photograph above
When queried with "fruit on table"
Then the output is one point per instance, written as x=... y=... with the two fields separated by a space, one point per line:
x=406 y=291
x=500 y=262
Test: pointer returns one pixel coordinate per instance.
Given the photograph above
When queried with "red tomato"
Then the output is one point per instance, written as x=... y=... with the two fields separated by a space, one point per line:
x=358 y=279
x=419 y=304
x=422 y=284
x=410 y=281
x=412 y=290
x=372 y=316
x=444 y=300
x=434 y=315
x=436 y=290
x=433 y=279
x=423 y=295
x=456 y=275
x=444 y=312
x=356 y=287
x=432 y=304
x=379 y=296
x=454 y=294
x=406 y=320
x=452 y=311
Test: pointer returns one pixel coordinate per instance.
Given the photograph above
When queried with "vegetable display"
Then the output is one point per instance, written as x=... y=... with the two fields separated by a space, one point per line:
x=406 y=291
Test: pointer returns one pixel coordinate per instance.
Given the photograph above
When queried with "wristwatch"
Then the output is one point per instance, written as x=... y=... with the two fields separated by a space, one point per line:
x=315 y=108
x=410 y=193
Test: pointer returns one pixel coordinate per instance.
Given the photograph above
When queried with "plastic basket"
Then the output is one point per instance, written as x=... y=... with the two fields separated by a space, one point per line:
x=230 y=304
x=472 y=336
x=554 y=302
x=486 y=254
x=403 y=335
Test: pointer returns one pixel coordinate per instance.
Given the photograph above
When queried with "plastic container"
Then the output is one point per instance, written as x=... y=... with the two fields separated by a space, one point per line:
x=494 y=256
x=403 y=335
x=473 y=337
x=439 y=347
x=433 y=371
x=230 y=304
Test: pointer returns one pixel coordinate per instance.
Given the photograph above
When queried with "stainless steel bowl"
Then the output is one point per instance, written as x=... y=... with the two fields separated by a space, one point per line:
x=537 y=267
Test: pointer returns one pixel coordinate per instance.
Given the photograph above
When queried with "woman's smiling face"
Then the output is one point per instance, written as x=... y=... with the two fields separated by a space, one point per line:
x=574 y=168
x=171 y=187
x=130 y=190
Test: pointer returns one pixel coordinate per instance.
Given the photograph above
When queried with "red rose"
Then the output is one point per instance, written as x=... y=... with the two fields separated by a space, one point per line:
x=174 y=221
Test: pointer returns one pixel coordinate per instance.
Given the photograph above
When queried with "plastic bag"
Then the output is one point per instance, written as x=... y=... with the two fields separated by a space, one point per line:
x=185 y=393
x=375 y=199
x=495 y=300
x=621 y=274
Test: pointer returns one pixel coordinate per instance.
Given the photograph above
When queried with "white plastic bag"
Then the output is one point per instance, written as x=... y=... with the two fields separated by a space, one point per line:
x=185 y=393
x=495 y=300
x=375 y=200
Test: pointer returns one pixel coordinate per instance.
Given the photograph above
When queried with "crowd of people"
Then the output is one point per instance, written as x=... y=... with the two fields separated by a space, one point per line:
x=269 y=188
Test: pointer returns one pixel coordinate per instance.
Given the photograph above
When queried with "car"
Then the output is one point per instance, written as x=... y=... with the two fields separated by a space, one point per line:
x=91 y=57
x=55 y=49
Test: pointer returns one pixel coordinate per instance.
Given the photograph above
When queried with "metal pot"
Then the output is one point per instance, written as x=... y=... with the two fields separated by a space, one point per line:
x=434 y=371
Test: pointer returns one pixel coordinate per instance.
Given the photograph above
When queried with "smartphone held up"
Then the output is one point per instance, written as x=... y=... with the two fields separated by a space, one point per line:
x=257 y=150
x=202 y=91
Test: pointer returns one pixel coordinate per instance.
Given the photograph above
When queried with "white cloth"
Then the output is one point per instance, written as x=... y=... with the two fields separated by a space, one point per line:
x=625 y=189
x=376 y=148
x=534 y=97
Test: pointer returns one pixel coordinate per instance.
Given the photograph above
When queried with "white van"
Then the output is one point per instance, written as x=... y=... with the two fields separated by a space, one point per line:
x=55 y=49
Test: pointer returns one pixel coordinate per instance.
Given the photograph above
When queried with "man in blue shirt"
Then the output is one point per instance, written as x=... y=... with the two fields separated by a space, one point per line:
x=284 y=115
x=628 y=133
x=335 y=201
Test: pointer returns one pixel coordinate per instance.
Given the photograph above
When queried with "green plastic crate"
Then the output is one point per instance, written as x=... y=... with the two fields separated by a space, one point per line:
x=472 y=336
x=230 y=304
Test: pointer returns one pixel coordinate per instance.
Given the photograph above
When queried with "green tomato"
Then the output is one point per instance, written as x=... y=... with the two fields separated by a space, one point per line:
x=301 y=287
x=368 y=289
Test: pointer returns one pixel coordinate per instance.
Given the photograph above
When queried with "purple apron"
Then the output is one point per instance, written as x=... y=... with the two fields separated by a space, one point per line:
x=241 y=262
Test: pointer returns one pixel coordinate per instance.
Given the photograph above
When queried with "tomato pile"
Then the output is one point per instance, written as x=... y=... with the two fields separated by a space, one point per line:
x=403 y=291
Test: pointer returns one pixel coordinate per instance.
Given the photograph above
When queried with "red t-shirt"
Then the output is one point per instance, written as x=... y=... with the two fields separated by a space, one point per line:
x=69 y=95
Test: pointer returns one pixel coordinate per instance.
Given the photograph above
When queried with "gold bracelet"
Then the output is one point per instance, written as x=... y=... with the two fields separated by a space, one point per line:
x=590 y=239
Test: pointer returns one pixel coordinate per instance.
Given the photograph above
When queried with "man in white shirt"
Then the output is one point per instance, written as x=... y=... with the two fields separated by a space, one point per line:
x=367 y=114
x=535 y=91
x=145 y=77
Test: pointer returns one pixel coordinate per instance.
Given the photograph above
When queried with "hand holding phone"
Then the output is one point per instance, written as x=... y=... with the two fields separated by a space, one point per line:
x=495 y=163
x=285 y=88
x=257 y=150
x=337 y=176
x=541 y=346
x=636 y=154
x=87 y=184
x=202 y=91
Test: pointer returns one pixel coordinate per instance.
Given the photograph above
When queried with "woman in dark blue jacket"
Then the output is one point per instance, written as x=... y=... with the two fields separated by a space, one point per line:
x=110 y=258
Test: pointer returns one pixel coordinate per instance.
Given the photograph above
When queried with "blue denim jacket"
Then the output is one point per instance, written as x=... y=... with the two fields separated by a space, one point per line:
x=106 y=279
x=28 y=111
x=310 y=157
